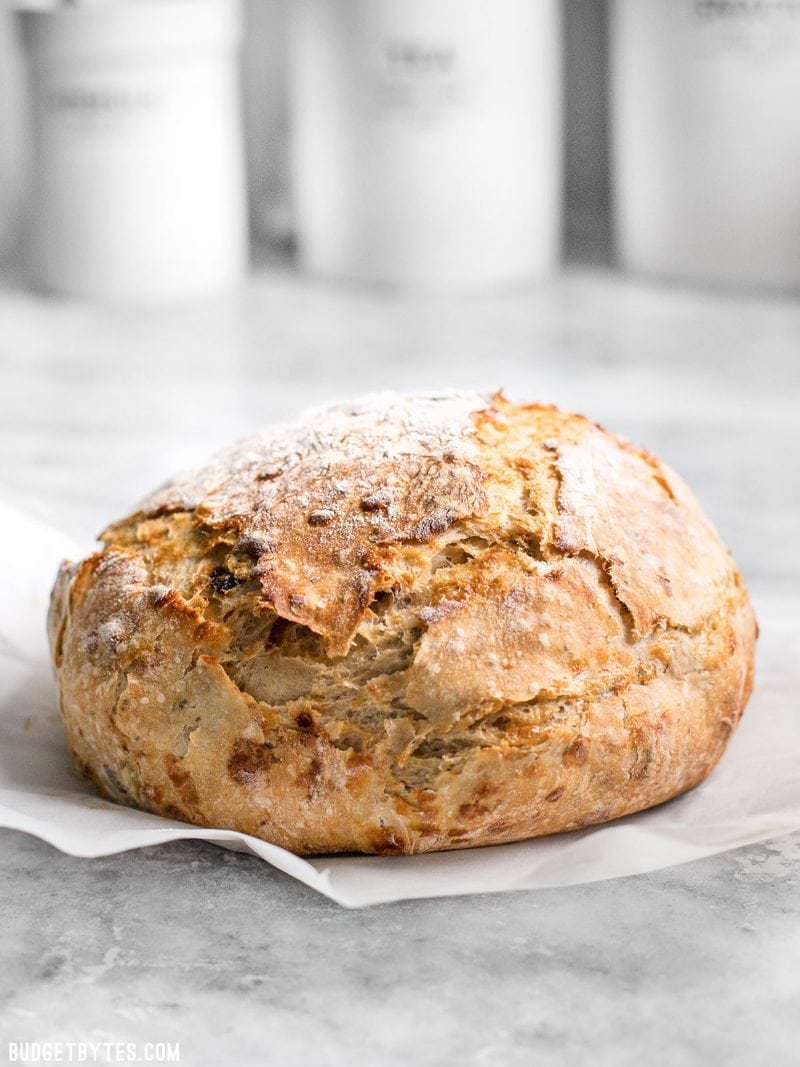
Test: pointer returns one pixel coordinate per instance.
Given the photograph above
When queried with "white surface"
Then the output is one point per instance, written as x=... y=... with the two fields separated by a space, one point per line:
x=695 y=965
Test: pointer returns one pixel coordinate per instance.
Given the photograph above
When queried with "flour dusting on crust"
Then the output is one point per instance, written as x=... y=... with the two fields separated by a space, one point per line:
x=320 y=504
x=386 y=427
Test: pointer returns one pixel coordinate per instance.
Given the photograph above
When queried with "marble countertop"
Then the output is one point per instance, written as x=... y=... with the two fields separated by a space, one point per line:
x=698 y=964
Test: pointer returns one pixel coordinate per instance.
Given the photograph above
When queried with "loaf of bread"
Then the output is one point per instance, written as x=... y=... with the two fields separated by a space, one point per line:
x=406 y=624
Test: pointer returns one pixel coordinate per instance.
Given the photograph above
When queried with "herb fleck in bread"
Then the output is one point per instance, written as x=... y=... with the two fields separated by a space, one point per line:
x=406 y=624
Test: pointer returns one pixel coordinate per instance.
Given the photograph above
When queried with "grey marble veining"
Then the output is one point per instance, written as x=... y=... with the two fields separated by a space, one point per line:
x=699 y=964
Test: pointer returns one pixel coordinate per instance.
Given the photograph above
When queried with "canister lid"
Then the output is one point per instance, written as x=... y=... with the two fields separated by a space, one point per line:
x=115 y=29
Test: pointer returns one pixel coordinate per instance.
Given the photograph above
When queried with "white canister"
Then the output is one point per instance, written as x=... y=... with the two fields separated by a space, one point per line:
x=706 y=138
x=12 y=109
x=426 y=139
x=138 y=179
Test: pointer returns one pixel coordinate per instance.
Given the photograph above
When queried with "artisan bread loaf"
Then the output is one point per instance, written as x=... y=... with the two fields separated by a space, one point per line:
x=406 y=624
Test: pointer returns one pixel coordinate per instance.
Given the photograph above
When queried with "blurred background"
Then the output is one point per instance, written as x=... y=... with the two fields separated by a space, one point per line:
x=265 y=121
x=213 y=215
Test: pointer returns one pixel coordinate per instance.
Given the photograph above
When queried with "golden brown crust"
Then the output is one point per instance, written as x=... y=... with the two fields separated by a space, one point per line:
x=404 y=625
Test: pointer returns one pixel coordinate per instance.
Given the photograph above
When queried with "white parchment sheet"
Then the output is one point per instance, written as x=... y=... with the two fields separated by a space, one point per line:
x=754 y=794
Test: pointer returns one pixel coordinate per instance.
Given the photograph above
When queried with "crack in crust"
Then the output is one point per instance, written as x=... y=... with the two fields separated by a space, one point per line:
x=404 y=625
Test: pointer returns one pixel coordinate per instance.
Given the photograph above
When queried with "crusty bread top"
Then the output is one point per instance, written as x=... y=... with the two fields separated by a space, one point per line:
x=317 y=502
x=334 y=507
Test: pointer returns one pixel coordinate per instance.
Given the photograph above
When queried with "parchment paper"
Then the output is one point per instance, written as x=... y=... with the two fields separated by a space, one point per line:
x=753 y=795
